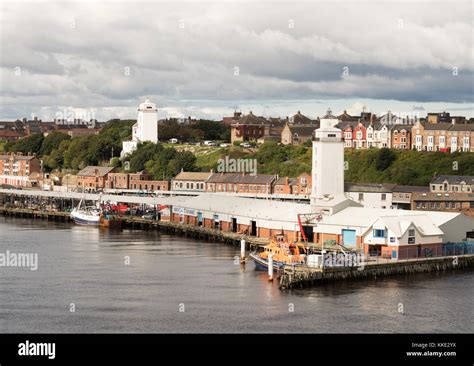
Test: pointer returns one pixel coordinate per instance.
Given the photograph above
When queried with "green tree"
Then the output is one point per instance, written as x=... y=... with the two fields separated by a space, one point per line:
x=27 y=145
x=385 y=158
x=52 y=141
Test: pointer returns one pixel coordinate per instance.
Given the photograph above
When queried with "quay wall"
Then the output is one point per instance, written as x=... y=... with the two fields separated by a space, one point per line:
x=135 y=223
x=305 y=277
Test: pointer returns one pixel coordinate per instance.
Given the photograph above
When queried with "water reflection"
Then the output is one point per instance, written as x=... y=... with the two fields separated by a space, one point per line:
x=86 y=266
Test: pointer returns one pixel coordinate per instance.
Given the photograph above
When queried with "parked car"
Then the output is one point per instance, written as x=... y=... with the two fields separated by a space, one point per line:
x=149 y=216
x=245 y=144
x=224 y=145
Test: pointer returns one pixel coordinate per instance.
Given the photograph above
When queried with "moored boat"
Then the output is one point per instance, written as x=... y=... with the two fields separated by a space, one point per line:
x=86 y=215
x=110 y=221
x=283 y=253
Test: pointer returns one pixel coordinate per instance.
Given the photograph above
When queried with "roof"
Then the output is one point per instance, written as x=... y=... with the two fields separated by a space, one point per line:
x=17 y=157
x=196 y=176
x=303 y=130
x=410 y=189
x=344 y=124
x=422 y=223
x=369 y=187
x=453 y=179
x=365 y=216
x=401 y=126
x=271 y=210
x=240 y=178
x=251 y=119
x=92 y=171
x=282 y=180
x=437 y=126
x=346 y=117
x=301 y=119
x=462 y=127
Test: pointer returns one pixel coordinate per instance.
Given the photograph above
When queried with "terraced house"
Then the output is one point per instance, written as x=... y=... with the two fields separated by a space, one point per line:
x=257 y=184
x=443 y=136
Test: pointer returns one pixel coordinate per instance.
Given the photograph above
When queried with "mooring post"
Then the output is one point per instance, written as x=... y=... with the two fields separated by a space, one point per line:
x=242 y=251
x=270 y=267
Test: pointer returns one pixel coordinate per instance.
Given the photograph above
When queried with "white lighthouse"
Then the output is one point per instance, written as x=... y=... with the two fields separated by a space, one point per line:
x=146 y=128
x=328 y=161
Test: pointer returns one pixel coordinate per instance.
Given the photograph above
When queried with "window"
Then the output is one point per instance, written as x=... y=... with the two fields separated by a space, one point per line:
x=411 y=232
x=384 y=196
x=361 y=196
x=378 y=233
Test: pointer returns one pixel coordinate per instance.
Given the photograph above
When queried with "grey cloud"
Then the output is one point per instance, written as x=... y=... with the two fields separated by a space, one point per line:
x=76 y=54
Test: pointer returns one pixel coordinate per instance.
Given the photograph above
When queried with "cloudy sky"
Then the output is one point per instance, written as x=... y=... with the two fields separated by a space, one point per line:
x=205 y=59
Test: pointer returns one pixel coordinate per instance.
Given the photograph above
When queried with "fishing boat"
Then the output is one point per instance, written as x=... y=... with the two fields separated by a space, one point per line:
x=87 y=215
x=110 y=221
x=283 y=253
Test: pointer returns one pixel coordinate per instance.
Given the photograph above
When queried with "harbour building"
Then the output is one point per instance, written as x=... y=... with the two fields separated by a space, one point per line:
x=332 y=215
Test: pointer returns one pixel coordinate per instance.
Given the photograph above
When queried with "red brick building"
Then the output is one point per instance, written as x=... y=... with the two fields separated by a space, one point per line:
x=92 y=178
x=241 y=183
x=118 y=180
x=19 y=170
x=297 y=186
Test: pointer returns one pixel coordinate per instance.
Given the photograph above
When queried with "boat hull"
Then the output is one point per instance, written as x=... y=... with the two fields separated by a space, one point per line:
x=82 y=219
x=262 y=264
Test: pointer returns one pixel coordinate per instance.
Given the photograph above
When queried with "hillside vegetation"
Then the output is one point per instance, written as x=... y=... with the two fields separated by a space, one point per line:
x=363 y=166
x=59 y=151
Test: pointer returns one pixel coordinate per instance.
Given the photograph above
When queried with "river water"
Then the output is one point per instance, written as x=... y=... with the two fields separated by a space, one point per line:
x=95 y=280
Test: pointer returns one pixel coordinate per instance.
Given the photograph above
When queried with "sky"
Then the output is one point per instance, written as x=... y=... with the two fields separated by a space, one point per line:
x=100 y=59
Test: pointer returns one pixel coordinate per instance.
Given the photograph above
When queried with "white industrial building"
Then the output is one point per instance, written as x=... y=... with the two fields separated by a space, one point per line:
x=145 y=129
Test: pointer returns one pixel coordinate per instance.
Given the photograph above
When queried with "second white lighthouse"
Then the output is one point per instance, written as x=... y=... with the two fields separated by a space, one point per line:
x=328 y=160
x=146 y=128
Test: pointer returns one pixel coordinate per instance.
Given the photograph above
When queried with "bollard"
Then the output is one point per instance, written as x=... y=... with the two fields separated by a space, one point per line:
x=242 y=251
x=270 y=267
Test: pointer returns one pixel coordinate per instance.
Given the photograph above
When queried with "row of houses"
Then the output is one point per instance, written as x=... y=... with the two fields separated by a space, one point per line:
x=94 y=178
x=364 y=131
x=447 y=193
x=14 y=130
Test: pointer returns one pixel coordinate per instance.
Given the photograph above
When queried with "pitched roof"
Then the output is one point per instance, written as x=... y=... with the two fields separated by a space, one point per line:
x=410 y=189
x=343 y=125
x=346 y=117
x=92 y=171
x=196 y=176
x=369 y=187
x=462 y=127
x=437 y=126
x=251 y=119
x=282 y=181
x=17 y=157
x=303 y=130
x=400 y=126
x=424 y=225
x=301 y=119
x=240 y=178
x=453 y=179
